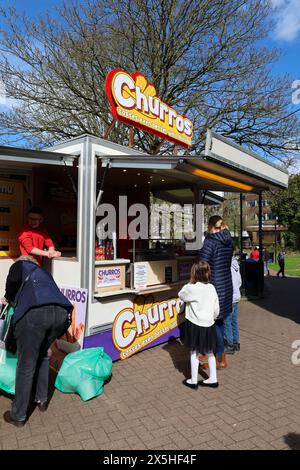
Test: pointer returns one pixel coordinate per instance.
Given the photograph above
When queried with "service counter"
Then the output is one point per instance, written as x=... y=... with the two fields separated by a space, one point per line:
x=140 y=297
x=119 y=276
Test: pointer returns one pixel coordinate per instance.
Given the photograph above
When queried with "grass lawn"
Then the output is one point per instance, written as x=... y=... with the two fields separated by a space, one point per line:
x=292 y=265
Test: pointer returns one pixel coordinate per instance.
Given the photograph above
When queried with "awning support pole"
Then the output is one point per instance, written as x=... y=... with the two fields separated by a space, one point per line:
x=260 y=231
x=203 y=195
x=199 y=197
x=242 y=261
x=241 y=225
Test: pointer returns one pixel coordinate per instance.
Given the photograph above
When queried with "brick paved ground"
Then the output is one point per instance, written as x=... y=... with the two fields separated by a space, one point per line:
x=145 y=406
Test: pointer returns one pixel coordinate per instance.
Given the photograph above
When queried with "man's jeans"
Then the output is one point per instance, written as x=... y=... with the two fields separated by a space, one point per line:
x=231 y=329
x=35 y=333
x=266 y=268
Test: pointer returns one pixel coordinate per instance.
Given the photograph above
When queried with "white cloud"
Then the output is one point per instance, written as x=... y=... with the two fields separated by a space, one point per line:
x=295 y=169
x=5 y=102
x=287 y=17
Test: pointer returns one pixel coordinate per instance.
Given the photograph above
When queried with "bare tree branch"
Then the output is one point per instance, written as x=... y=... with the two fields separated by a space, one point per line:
x=204 y=59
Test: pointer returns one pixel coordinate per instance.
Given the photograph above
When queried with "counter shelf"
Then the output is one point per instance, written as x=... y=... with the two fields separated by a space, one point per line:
x=103 y=295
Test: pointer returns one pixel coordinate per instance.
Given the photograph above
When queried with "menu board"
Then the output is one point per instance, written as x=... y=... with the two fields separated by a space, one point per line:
x=11 y=216
x=140 y=275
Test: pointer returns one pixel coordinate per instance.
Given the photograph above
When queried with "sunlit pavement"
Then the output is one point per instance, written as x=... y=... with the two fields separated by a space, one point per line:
x=145 y=405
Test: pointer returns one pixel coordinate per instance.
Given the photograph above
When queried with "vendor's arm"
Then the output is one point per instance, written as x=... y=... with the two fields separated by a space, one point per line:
x=25 y=240
x=48 y=253
x=13 y=281
x=50 y=245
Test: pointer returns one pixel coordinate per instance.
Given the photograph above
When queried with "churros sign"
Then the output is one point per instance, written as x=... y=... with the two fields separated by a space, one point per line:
x=133 y=100
x=136 y=328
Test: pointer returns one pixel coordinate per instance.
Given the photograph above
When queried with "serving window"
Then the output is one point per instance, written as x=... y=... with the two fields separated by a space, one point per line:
x=50 y=187
x=55 y=191
x=123 y=263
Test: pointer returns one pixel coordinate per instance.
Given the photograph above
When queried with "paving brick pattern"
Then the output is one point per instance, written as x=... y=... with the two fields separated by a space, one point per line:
x=145 y=405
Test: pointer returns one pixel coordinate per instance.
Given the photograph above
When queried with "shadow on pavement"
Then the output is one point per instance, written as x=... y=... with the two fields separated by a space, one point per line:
x=181 y=357
x=32 y=405
x=281 y=297
x=292 y=440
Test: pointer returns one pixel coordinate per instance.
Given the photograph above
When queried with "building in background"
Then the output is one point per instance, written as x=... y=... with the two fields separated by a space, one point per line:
x=230 y=210
x=272 y=231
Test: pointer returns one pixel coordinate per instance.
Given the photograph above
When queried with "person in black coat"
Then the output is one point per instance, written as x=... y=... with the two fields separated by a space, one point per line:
x=217 y=250
x=41 y=315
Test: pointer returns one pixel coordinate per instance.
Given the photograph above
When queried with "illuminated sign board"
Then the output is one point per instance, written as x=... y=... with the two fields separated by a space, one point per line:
x=133 y=100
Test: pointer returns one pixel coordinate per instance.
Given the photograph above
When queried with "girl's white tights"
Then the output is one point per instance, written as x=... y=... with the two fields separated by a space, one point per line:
x=195 y=368
x=212 y=369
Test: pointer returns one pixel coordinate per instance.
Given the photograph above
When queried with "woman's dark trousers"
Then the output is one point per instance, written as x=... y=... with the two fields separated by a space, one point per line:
x=281 y=270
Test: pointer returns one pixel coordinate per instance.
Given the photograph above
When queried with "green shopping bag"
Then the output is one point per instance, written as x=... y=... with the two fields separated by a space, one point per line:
x=8 y=361
x=84 y=372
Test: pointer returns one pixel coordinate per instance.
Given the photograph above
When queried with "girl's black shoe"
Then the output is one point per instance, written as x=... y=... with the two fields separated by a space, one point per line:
x=204 y=384
x=194 y=386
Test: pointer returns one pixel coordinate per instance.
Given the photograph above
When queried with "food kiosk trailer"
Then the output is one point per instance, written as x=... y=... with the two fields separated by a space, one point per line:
x=131 y=298
x=127 y=284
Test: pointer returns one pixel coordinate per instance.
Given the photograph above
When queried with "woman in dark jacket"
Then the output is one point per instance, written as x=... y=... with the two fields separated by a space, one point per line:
x=41 y=315
x=217 y=250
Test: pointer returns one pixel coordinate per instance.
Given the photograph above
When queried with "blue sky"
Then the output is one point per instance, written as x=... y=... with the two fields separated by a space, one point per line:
x=32 y=7
x=285 y=35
